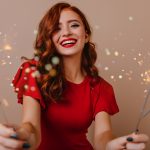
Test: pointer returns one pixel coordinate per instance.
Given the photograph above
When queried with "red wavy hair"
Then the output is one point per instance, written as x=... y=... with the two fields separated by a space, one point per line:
x=53 y=86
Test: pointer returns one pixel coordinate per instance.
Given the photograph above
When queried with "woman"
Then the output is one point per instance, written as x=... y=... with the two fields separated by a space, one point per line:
x=62 y=93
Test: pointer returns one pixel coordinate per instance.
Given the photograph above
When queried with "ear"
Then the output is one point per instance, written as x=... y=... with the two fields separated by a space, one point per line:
x=86 y=37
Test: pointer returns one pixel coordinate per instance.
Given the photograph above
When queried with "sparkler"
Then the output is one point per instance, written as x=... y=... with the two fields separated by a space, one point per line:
x=143 y=112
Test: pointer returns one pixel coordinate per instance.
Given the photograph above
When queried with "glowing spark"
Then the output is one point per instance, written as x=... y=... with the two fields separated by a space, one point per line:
x=146 y=77
x=140 y=62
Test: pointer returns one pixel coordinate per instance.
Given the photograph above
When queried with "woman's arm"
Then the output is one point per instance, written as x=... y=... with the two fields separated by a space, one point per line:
x=102 y=131
x=104 y=139
x=28 y=134
x=31 y=120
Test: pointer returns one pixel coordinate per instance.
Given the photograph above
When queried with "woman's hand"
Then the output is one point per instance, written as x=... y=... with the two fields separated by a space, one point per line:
x=12 y=138
x=133 y=141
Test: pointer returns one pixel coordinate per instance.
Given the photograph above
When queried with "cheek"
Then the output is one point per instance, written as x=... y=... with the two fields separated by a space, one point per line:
x=55 y=38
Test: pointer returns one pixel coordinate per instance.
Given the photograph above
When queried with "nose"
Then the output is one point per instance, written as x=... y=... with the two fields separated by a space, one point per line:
x=66 y=31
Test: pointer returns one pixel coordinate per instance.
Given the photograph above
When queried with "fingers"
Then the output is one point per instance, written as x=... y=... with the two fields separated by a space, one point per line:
x=6 y=132
x=10 y=139
x=5 y=148
x=11 y=143
x=137 y=141
x=143 y=138
x=135 y=146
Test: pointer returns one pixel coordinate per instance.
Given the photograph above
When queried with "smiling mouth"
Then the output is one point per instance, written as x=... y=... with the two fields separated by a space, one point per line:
x=68 y=43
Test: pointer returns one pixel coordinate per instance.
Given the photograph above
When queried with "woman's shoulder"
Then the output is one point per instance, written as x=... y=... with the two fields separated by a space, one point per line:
x=99 y=81
x=29 y=63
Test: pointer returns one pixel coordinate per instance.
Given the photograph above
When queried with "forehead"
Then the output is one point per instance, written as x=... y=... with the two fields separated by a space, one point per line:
x=67 y=15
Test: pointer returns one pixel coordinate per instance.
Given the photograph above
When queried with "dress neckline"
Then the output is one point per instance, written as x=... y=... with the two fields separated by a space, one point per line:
x=78 y=84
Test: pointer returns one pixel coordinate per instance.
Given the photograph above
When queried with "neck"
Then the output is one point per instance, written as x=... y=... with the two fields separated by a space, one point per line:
x=73 y=70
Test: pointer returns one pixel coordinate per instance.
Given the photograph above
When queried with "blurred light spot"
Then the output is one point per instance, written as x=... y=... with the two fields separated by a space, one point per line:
x=97 y=27
x=36 y=58
x=35 y=32
x=146 y=76
x=26 y=86
x=113 y=61
x=112 y=77
x=17 y=89
x=142 y=75
x=116 y=53
x=27 y=70
x=12 y=84
x=107 y=51
x=36 y=74
x=130 y=18
x=145 y=91
x=139 y=54
x=48 y=67
x=53 y=72
x=55 y=60
x=32 y=88
x=25 y=78
x=120 y=76
x=129 y=78
x=140 y=62
x=7 y=47
x=5 y=102
x=106 y=68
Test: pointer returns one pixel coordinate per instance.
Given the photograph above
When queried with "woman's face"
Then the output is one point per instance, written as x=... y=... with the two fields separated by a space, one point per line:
x=70 y=36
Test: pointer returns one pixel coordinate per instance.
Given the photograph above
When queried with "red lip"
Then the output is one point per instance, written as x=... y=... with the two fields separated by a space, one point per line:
x=67 y=40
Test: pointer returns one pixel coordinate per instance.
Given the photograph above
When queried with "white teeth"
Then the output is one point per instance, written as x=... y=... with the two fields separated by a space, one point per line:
x=69 y=42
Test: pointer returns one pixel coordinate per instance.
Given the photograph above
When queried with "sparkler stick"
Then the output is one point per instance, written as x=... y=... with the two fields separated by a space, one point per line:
x=143 y=113
x=3 y=113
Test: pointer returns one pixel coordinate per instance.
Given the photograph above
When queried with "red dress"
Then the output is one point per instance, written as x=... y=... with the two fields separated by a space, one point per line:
x=64 y=124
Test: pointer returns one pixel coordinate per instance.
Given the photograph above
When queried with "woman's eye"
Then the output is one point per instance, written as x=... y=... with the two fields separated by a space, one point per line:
x=75 y=25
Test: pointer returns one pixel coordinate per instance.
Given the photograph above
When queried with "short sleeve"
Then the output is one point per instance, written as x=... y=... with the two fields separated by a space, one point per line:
x=25 y=83
x=104 y=99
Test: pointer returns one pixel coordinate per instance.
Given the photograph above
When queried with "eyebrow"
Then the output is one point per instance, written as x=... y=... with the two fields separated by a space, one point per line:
x=69 y=21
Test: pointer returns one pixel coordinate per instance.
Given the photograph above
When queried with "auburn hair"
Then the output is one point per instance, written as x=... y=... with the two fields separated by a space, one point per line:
x=52 y=87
